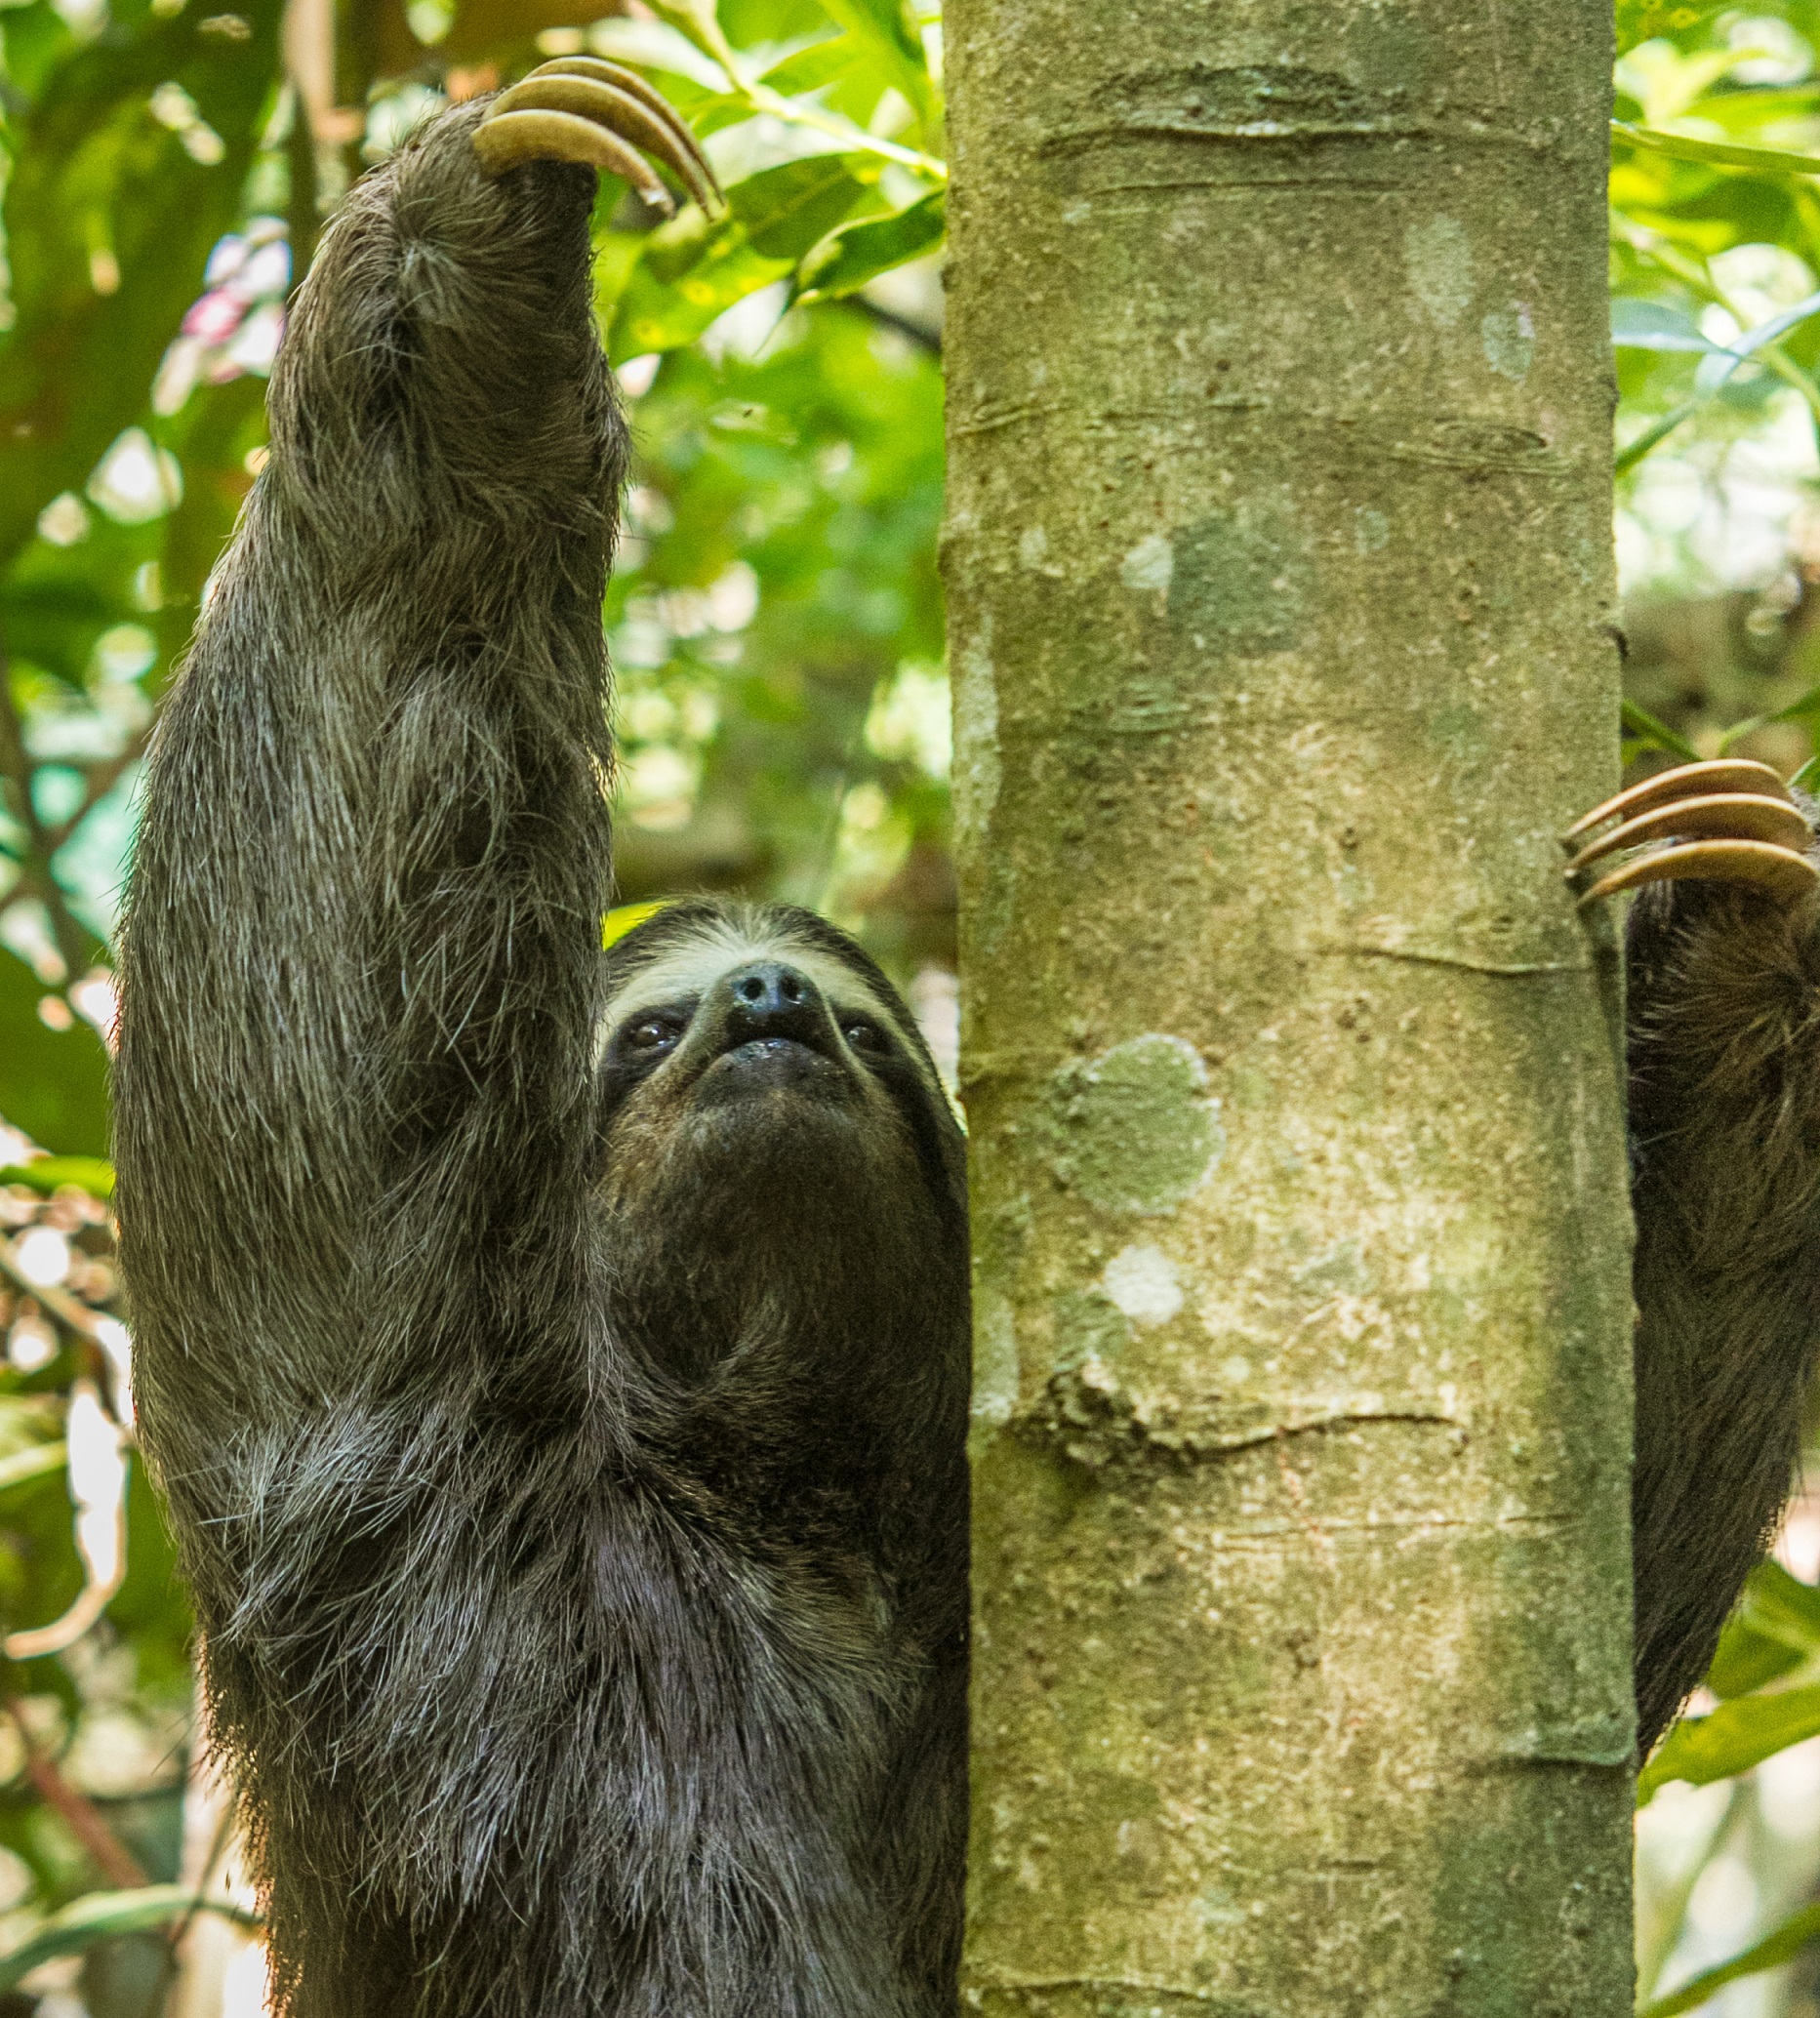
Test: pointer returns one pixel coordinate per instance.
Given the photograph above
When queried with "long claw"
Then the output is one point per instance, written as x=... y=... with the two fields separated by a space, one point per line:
x=1747 y=826
x=683 y=153
x=580 y=108
x=1724 y=816
x=1778 y=871
x=1685 y=782
x=510 y=138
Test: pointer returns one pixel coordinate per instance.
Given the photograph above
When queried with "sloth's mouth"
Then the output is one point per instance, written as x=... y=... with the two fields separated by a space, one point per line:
x=757 y=1064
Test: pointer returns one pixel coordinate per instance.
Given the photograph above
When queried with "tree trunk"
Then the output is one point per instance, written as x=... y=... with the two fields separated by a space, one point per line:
x=1280 y=438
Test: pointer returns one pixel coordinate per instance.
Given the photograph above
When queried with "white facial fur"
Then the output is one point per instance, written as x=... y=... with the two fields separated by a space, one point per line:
x=691 y=967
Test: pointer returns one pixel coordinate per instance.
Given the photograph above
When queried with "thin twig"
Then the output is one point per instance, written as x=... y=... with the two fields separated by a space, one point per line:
x=68 y=1310
x=84 y=1820
x=34 y=869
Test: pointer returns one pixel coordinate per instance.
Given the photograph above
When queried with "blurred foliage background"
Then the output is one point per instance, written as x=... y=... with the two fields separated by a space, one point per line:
x=775 y=623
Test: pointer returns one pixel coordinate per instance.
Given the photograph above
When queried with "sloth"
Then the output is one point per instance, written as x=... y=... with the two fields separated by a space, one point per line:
x=554 y=1361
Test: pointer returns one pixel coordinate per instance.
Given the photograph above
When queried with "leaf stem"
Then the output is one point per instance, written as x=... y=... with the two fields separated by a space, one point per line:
x=703 y=27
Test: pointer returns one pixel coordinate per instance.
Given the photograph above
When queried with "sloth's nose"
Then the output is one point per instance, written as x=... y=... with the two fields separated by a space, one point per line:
x=773 y=1000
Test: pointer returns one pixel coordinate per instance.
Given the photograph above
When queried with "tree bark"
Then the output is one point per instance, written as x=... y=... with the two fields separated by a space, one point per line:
x=1281 y=597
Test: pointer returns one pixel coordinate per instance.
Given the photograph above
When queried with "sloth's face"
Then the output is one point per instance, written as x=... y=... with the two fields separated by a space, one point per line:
x=758 y=1045
x=730 y=1016
x=733 y=1018
x=781 y=1180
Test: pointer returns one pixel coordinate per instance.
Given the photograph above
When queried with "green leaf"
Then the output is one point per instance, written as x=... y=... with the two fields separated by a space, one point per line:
x=627 y=917
x=1642 y=21
x=1731 y=1739
x=1805 y=710
x=1776 y=326
x=886 y=22
x=1679 y=146
x=1744 y=111
x=809 y=69
x=673 y=248
x=882 y=27
x=1653 y=436
x=91 y=164
x=92 y=1174
x=1770 y=1953
x=100 y=1916
x=787 y=210
x=1775 y=1602
x=656 y=315
x=1638 y=325
x=1746 y=1659
x=1774 y=1627
x=1650 y=326
x=846 y=261
x=691 y=272
x=1639 y=723
x=709 y=114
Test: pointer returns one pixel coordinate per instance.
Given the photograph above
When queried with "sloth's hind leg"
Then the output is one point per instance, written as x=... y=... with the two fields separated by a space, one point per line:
x=580 y=108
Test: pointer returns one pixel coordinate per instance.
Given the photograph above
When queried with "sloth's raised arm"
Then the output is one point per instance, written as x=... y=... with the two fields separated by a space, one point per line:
x=363 y=938
x=1723 y=979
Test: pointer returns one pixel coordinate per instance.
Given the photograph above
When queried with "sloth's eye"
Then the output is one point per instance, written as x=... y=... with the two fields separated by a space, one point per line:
x=653 y=1033
x=862 y=1035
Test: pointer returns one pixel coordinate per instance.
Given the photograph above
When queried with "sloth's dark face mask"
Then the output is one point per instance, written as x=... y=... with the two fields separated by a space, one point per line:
x=740 y=1040
x=750 y=1023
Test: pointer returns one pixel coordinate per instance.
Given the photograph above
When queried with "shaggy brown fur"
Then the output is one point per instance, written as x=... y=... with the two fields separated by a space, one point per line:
x=1725 y=1044
x=564 y=1436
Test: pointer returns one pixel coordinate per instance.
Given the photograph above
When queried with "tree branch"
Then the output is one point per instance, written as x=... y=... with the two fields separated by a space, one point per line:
x=84 y=1820
x=99 y=780
x=74 y=943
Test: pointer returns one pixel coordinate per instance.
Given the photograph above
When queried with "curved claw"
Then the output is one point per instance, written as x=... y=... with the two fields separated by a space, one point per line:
x=684 y=152
x=1685 y=782
x=1731 y=815
x=515 y=137
x=579 y=109
x=1779 y=872
x=1730 y=820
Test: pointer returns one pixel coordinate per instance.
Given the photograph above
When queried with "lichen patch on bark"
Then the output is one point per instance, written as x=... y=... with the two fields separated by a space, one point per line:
x=1136 y=1130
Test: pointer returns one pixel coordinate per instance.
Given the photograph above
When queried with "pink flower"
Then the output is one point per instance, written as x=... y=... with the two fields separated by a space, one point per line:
x=215 y=317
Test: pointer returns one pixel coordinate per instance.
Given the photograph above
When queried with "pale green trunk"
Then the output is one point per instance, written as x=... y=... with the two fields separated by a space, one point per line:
x=1279 y=575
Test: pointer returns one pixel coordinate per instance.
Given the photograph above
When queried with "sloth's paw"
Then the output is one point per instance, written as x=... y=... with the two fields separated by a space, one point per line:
x=580 y=108
x=1731 y=820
